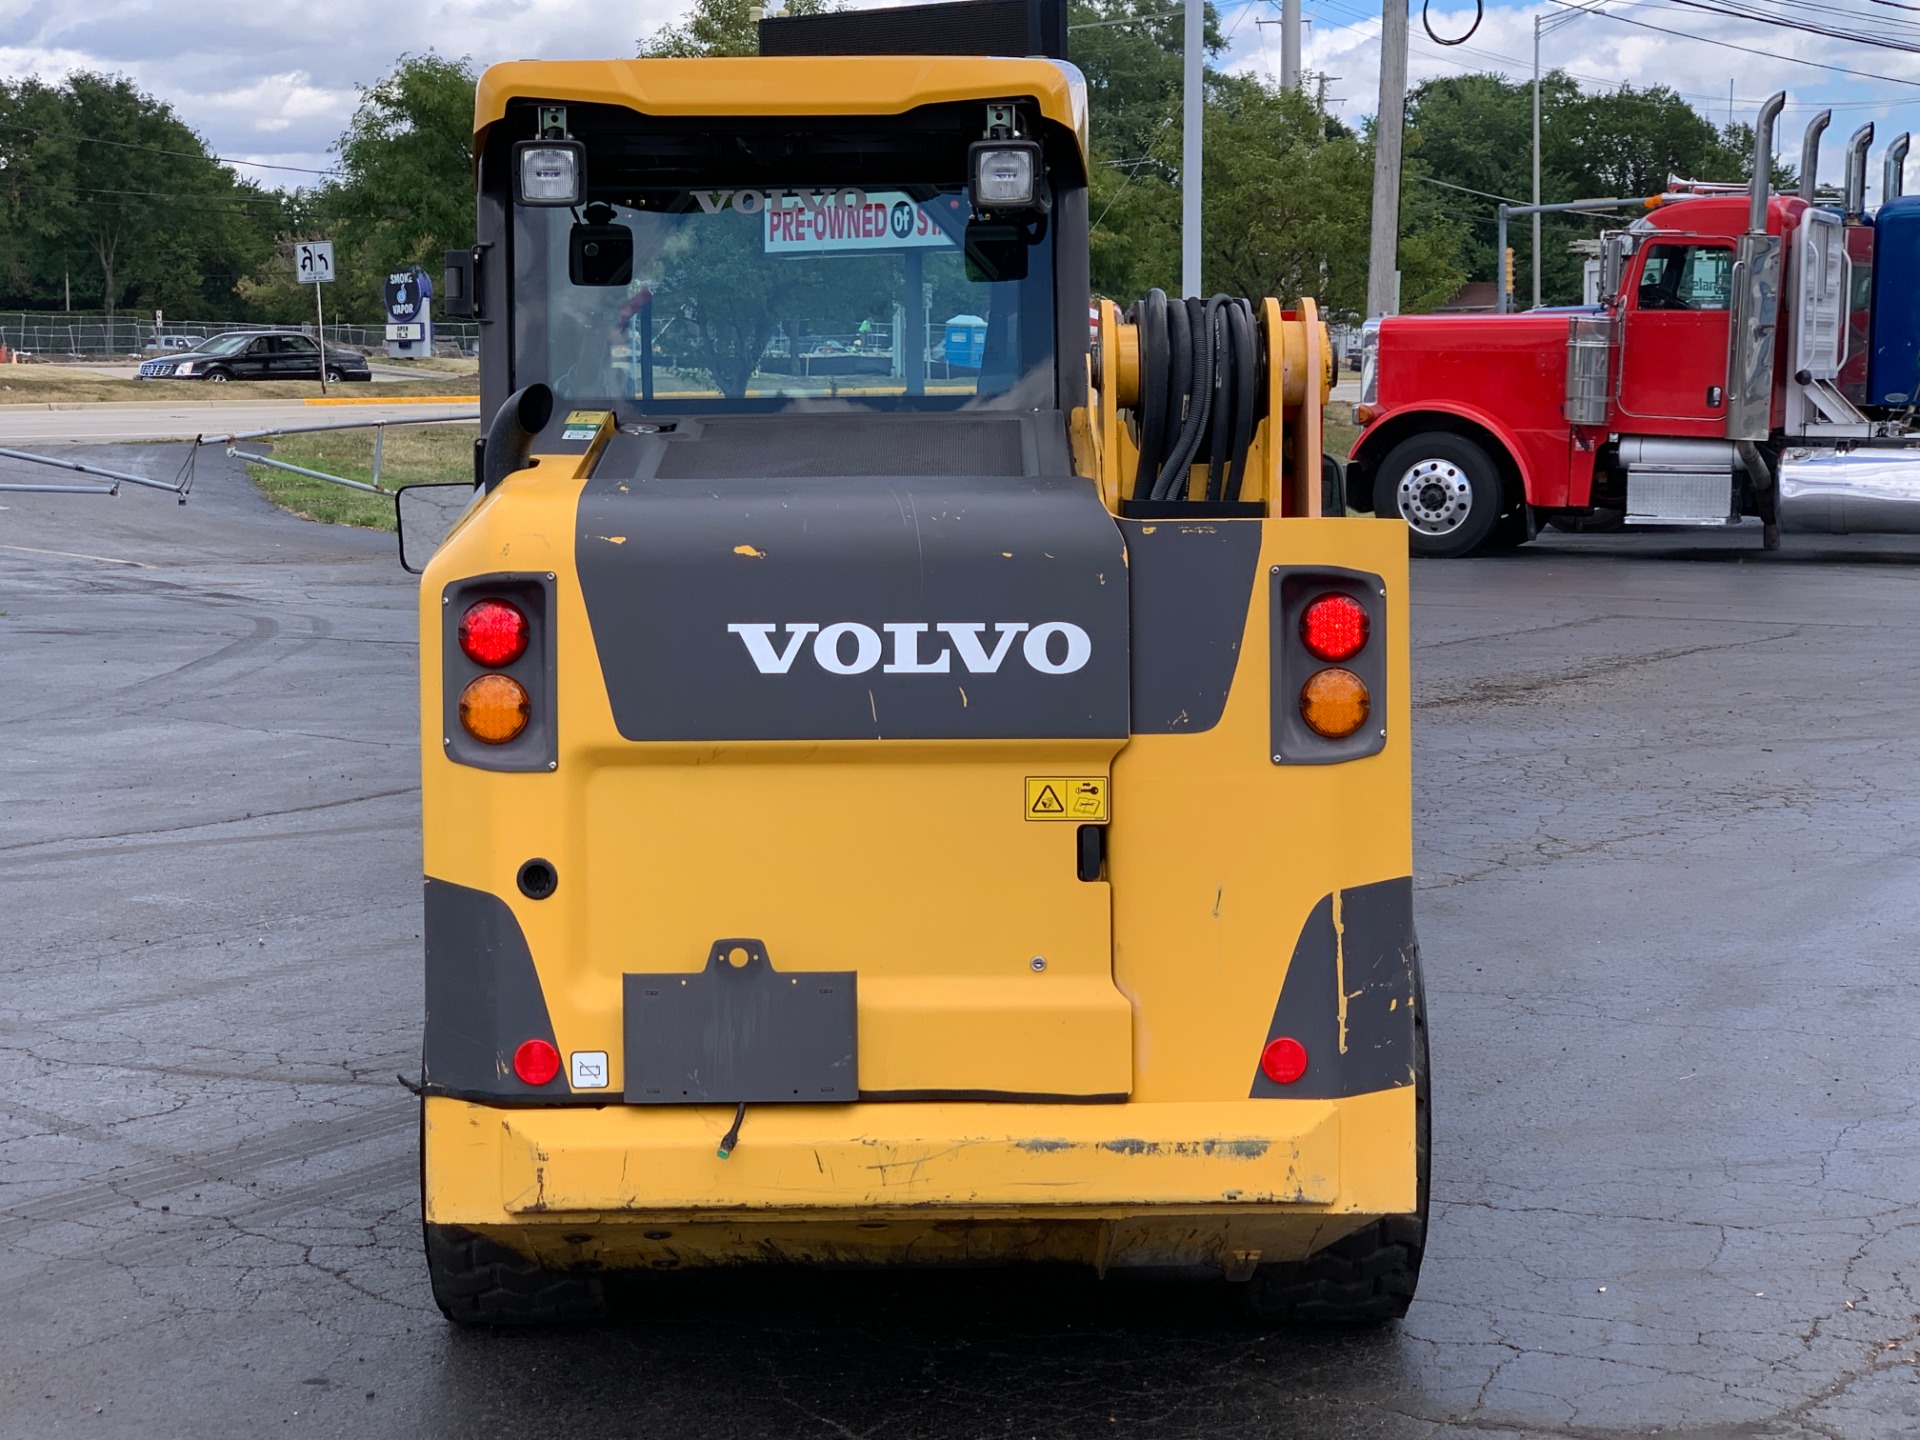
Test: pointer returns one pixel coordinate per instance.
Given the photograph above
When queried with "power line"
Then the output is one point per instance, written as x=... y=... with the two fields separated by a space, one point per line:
x=1749 y=50
x=156 y=150
x=1780 y=22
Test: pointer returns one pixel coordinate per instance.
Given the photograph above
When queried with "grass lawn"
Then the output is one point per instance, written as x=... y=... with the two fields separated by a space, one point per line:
x=411 y=455
x=1341 y=431
x=60 y=384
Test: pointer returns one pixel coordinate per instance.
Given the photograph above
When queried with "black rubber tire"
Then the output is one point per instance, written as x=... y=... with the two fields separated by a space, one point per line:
x=217 y=375
x=1368 y=1277
x=334 y=377
x=1486 y=501
x=477 y=1281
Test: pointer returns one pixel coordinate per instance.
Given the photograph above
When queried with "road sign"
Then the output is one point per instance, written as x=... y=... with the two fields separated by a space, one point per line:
x=313 y=261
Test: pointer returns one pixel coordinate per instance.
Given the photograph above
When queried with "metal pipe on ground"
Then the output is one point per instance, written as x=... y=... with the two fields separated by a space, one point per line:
x=171 y=487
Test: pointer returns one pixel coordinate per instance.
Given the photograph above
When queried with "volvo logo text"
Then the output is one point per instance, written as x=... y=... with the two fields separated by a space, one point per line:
x=1053 y=647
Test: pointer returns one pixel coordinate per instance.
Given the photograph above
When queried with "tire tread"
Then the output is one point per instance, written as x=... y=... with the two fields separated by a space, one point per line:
x=477 y=1281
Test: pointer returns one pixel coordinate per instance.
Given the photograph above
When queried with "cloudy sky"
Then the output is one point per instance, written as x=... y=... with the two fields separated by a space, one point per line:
x=273 y=82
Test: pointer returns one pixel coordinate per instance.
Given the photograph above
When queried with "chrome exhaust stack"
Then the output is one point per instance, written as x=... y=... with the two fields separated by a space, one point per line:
x=1810 y=154
x=1761 y=185
x=1857 y=147
x=1893 y=177
x=1861 y=492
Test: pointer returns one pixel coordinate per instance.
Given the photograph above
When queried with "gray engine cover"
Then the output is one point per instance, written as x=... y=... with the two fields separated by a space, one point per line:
x=822 y=577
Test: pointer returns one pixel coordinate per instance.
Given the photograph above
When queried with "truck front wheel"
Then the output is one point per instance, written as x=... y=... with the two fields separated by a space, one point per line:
x=1446 y=487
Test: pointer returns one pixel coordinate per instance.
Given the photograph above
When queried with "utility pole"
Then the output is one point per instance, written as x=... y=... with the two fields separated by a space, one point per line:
x=1536 y=161
x=1383 y=255
x=1190 y=150
x=1290 y=44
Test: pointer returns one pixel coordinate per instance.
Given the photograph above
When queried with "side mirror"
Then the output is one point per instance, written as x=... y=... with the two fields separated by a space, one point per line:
x=426 y=515
x=600 y=255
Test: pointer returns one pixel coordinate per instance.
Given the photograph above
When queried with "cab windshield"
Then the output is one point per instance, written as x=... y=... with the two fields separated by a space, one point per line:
x=227 y=344
x=879 y=294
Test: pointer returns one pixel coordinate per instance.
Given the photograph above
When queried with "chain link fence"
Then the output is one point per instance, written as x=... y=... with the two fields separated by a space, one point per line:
x=53 y=335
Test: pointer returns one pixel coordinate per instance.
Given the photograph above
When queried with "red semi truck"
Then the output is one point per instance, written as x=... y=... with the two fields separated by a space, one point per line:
x=1715 y=381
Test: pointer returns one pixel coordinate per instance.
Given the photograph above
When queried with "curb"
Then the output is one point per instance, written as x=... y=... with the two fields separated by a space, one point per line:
x=395 y=400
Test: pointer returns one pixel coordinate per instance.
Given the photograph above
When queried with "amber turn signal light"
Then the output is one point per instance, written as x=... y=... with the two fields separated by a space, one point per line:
x=1364 y=414
x=1334 y=703
x=495 y=708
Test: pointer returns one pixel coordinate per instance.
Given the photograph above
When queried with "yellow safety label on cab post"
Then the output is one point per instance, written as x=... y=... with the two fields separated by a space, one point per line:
x=1067 y=797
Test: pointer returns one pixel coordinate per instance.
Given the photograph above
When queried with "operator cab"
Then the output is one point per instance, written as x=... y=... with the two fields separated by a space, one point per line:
x=660 y=266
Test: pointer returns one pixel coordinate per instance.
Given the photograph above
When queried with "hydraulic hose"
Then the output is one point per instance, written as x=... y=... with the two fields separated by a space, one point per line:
x=1202 y=393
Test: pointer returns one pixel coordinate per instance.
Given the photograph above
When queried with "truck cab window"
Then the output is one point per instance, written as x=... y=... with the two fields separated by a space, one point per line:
x=1686 y=277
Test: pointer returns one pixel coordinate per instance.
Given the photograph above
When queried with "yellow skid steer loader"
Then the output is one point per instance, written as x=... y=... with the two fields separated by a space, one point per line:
x=911 y=773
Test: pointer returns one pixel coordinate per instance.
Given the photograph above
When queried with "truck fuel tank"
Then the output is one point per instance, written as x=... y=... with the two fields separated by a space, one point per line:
x=1858 y=492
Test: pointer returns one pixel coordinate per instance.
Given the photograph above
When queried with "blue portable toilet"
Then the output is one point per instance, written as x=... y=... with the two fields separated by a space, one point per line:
x=1893 y=363
x=966 y=342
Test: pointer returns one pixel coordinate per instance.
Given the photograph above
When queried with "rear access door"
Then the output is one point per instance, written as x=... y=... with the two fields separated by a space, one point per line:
x=872 y=673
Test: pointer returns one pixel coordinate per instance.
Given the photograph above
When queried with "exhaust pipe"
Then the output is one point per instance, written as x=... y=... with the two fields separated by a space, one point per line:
x=1762 y=183
x=1893 y=179
x=510 y=437
x=1810 y=154
x=1856 y=201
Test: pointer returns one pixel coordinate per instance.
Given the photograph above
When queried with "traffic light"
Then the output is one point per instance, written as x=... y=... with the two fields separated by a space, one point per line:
x=1506 y=270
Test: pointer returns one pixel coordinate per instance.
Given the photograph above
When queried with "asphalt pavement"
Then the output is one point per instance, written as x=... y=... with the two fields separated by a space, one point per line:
x=1666 y=875
x=24 y=427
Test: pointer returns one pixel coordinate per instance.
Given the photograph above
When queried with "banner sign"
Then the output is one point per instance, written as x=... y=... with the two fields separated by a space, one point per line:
x=852 y=221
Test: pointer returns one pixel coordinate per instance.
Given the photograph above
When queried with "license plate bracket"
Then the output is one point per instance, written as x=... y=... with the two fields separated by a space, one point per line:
x=741 y=1032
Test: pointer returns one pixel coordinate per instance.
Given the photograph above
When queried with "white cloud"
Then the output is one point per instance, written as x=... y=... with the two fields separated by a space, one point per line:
x=275 y=81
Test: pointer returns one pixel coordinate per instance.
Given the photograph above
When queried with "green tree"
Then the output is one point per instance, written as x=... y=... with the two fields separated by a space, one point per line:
x=106 y=185
x=405 y=193
x=1476 y=132
x=1130 y=52
x=719 y=27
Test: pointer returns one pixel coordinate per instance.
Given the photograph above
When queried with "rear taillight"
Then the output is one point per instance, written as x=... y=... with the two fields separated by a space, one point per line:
x=536 y=1062
x=1330 y=639
x=1335 y=627
x=494 y=633
x=1284 y=1060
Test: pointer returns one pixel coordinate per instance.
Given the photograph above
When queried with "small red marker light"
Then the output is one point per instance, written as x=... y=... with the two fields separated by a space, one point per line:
x=493 y=633
x=1334 y=627
x=537 y=1062
x=1283 y=1061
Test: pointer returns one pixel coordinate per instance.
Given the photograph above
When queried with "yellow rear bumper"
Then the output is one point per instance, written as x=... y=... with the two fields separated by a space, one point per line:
x=1198 y=1183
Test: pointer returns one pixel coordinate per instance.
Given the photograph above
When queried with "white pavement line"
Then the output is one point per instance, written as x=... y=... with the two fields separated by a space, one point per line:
x=76 y=555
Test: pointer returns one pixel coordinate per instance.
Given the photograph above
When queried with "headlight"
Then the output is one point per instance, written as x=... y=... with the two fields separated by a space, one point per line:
x=185 y=367
x=1370 y=362
x=549 y=172
x=1006 y=175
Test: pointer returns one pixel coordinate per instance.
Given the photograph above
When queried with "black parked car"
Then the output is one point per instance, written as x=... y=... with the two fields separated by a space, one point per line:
x=258 y=355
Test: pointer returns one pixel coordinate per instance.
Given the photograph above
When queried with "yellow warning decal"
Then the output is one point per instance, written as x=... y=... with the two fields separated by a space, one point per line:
x=1067 y=797
x=584 y=425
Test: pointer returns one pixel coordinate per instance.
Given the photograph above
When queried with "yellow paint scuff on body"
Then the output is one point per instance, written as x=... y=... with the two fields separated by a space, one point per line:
x=750 y=551
x=1340 y=963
